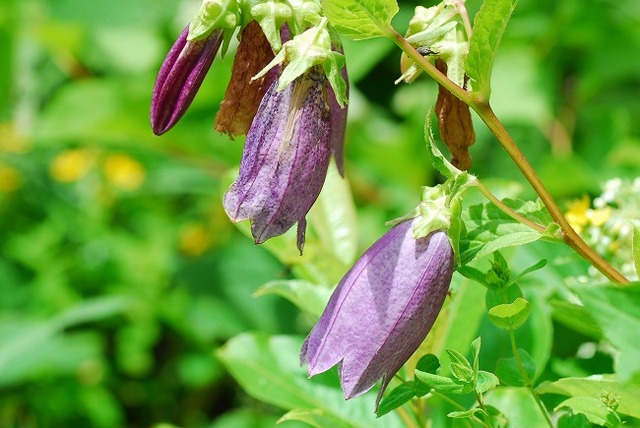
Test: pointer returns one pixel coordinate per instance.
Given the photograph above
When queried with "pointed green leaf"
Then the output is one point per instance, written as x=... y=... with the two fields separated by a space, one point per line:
x=333 y=216
x=573 y=421
x=268 y=369
x=316 y=418
x=488 y=26
x=486 y=382
x=464 y=413
x=594 y=409
x=311 y=298
x=361 y=19
x=489 y=229
x=396 y=398
x=594 y=386
x=443 y=384
x=509 y=372
x=510 y=316
x=428 y=363
x=616 y=310
x=460 y=366
x=475 y=347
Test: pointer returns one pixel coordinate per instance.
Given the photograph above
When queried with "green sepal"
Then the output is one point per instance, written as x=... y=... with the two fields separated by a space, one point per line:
x=270 y=15
x=440 y=28
x=312 y=47
x=214 y=15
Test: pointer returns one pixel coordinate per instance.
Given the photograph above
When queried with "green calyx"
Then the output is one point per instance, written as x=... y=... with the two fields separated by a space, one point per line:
x=312 y=47
x=441 y=30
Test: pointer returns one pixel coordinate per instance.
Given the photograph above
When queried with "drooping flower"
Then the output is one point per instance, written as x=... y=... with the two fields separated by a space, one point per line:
x=382 y=309
x=180 y=77
x=286 y=157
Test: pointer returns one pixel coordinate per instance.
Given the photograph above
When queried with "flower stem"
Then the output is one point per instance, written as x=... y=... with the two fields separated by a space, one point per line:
x=484 y=110
x=569 y=236
x=458 y=406
x=507 y=210
x=527 y=381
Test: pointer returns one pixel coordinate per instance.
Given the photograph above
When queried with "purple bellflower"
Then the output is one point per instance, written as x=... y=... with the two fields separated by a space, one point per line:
x=180 y=77
x=286 y=156
x=382 y=309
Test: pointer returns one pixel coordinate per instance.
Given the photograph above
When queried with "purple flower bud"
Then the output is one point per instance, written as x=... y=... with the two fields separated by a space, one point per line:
x=285 y=158
x=180 y=78
x=382 y=309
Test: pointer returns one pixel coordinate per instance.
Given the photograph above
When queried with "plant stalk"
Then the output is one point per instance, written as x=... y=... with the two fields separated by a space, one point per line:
x=483 y=109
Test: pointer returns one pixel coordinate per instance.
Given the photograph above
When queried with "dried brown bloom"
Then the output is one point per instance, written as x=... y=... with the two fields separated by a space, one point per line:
x=454 y=122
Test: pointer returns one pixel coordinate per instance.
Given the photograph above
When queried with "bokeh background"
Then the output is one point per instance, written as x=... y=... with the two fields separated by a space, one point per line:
x=119 y=272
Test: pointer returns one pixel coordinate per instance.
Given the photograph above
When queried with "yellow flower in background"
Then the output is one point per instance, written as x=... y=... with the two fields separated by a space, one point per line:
x=577 y=213
x=11 y=140
x=194 y=239
x=71 y=165
x=9 y=179
x=123 y=171
x=599 y=216
x=581 y=215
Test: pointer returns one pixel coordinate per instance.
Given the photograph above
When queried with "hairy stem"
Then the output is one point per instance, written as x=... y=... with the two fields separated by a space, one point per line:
x=483 y=109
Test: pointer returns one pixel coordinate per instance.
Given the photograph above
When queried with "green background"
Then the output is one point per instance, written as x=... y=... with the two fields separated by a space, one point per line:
x=118 y=282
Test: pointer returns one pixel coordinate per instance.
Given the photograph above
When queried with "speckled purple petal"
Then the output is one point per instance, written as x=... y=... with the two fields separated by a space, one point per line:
x=180 y=77
x=382 y=309
x=285 y=159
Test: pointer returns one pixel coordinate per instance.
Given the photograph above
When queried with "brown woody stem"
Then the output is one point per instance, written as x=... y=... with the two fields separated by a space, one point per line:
x=483 y=109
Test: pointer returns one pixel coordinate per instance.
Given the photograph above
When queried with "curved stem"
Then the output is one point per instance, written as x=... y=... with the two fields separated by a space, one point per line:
x=483 y=109
x=507 y=210
x=569 y=236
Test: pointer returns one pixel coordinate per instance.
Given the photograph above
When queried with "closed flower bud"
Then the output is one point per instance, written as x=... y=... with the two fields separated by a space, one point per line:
x=382 y=309
x=285 y=158
x=180 y=77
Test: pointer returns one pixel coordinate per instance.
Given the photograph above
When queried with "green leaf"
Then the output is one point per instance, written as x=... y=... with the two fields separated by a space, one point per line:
x=499 y=297
x=488 y=26
x=396 y=398
x=268 y=369
x=575 y=317
x=311 y=298
x=475 y=347
x=442 y=164
x=444 y=384
x=464 y=413
x=489 y=229
x=518 y=406
x=486 y=382
x=594 y=386
x=510 y=316
x=594 y=409
x=334 y=218
x=460 y=366
x=616 y=309
x=361 y=19
x=509 y=372
x=573 y=421
x=316 y=418
x=428 y=363
x=537 y=266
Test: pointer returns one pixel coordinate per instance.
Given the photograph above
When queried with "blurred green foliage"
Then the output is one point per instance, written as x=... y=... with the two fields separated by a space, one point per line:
x=119 y=271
